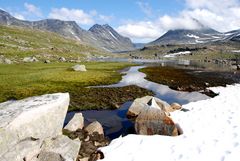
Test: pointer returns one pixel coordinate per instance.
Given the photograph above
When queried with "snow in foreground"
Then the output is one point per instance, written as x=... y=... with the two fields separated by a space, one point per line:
x=211 y=133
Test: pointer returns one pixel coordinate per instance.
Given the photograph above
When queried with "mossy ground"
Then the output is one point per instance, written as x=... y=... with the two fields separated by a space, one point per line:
x=187 y=79
x=18 y=81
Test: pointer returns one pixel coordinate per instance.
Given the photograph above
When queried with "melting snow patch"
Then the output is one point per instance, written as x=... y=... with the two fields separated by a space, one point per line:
x=176 y=54
x=112 y=35
x=193 y=36
x=211 y=131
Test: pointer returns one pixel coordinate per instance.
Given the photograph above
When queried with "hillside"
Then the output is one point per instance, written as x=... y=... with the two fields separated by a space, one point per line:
x=183 y=36
x=103 y=37
x=17 y=43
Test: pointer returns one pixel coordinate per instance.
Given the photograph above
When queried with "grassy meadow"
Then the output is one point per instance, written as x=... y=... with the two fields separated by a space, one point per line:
x=19 y=81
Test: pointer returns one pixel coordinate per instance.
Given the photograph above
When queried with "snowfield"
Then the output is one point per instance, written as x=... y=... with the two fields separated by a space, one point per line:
x=211 y=132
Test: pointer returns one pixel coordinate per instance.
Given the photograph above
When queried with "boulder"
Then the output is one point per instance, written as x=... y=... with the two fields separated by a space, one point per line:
x=30 y=59
x=80 y=68
x=33 y=119
x=7 y=61
x=154 y=121
x=140 y=104
x=77 y=122
x=95 y=127
x=62 y=59
x=47 y=61
x=68 y=149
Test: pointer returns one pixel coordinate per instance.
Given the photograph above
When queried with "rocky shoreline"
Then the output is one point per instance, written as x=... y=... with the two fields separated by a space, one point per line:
x=32 y=129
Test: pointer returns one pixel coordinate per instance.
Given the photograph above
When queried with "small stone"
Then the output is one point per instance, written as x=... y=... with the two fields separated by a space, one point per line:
x=80 y=68
x=94 y=127
x=7 y=61
x=62 y=59
x=97 y=143
x=30 y=59
x=87 y=138
x=176 y=106
x=77 y=122
x=47 y=61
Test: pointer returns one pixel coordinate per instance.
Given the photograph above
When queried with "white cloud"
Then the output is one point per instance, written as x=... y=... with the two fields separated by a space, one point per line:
x=146 y=8
x=140 y=31
x=32 y=9
x=105 y=19
x=77 y=15
x=222 y=15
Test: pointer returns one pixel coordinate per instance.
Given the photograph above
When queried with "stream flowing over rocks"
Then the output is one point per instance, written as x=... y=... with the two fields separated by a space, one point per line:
x=134 y=77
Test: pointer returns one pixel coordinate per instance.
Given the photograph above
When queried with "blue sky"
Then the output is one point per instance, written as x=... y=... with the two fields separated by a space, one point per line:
x=140 y=20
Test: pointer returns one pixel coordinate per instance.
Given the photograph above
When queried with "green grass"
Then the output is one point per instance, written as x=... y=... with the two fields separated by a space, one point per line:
x=19 y=81
x=17 y=43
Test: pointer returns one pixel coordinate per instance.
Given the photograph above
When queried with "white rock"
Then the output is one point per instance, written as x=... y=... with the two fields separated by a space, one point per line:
x=80 y=68
x=62 y=59
x=7 y=61
x=36 y=117
x=64 y=146
x=30 y=59
x=94 y=127
x=77 y=122
x=142 y=103
x=26 y=149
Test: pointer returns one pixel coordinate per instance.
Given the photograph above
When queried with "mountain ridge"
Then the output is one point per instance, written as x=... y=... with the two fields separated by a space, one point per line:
x=72 y=30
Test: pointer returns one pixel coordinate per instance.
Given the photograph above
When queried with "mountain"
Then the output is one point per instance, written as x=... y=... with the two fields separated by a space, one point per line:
x=18 y=42
x=108 y=38
x=139 y=45
x=103 y=37
x=184 y=36
x=233 y=35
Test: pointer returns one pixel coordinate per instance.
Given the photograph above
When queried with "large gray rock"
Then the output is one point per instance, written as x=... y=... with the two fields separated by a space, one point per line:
x=68 y=149
x=77 y=122
x=80 y=68
x=140 y=104
x=36 y=118
x=95 y=127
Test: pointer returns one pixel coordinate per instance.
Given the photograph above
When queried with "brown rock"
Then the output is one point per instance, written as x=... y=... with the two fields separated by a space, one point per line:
x=153 y=121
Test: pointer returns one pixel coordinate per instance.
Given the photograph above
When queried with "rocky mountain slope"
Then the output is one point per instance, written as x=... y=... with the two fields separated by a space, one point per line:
x=113 y=41
x=17 y=43
x=233 y=35
x=183 y=36
x=103 y=37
